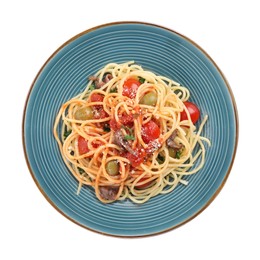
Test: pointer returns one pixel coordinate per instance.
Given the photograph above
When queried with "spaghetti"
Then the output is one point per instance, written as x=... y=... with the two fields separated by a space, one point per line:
x=129 y=134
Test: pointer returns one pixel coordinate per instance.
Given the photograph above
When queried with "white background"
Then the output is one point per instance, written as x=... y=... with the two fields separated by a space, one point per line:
x=30 y=228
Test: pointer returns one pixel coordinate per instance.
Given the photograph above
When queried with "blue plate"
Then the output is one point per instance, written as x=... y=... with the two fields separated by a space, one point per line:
x=164 y=52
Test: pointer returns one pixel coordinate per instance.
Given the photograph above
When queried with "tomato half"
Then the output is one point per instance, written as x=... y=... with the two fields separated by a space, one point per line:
x=137 y=158
x=100 y=113
x=193 y=111
x=126 y=119
x=114 y=125
x=143 y=186
x=150 y=131
x=82 y=145
x=96 y=97
x=130 y=87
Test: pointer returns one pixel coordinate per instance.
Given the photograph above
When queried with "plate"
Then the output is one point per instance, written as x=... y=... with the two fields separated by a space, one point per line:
x=164 y=52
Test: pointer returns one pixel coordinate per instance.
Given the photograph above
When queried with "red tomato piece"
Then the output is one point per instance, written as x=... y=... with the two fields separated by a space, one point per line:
x=150 y=131
x=137 y=158
x=82 y=145
x=103 y=113
x=193 y=111
x=96 y=145
x=126 y=119
x=96 y=97
x=130 y=87
x=143 y=186
x=100 y=113
x=114 y=125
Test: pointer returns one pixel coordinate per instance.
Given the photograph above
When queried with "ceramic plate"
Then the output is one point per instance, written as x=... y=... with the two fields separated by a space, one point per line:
x=164 y=52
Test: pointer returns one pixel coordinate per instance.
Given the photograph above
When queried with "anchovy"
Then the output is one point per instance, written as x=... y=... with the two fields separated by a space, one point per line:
x=171 y=143
x=108 y=192
x=120 y=141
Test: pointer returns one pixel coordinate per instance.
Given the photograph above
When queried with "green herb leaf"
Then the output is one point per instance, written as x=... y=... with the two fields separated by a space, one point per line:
x=92 y=87
x=178 y=154
x=66 y=133
x=141 y=80
x=113 y=90
x=129 y=137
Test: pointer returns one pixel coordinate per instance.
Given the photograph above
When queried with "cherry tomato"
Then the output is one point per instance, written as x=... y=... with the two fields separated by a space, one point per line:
x=82 y=145
x=96 y=145
x=193 y=110
x=126 y=119
x=130 y=87
x=96 y=97
x=143 y=186
x=100 y=113
x=114 y=125
x=150 y=131
x=137 y=158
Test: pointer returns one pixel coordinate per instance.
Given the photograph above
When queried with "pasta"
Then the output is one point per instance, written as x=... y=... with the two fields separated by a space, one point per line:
x=130 y=134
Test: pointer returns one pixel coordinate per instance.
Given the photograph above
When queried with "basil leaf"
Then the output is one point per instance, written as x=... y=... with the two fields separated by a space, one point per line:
x=66 y=133
x=141 y=80
x=92 y=87
x=178 y=154
x=129 y=137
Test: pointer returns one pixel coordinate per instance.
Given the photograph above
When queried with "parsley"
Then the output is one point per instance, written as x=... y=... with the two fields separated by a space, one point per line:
x=113 y=90
x=141 y=80
x=92 y=87
x=178 y=154
x=66 y=133
x=129 y=137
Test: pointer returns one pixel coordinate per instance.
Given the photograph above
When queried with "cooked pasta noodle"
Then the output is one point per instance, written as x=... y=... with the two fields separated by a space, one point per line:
x=124 y=135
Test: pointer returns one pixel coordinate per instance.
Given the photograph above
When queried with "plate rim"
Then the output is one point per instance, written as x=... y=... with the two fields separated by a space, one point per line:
x=230 y=92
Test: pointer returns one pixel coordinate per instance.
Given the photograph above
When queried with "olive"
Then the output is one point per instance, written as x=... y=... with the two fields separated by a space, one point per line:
x=172 y=152
x=112 y=167
x=84 y=113
x=149 y=99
